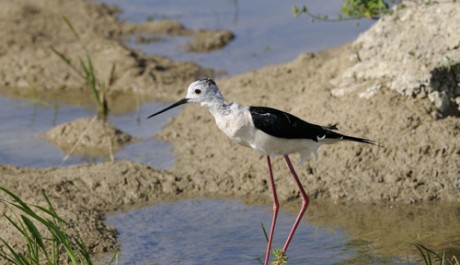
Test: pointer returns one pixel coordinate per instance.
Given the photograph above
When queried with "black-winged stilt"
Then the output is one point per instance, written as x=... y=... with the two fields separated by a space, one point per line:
x=269 y=131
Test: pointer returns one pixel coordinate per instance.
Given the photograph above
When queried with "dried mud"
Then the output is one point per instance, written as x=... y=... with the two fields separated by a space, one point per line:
x=90 y=137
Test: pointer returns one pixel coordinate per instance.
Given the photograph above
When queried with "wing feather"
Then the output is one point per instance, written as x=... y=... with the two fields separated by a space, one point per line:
x=284 y=125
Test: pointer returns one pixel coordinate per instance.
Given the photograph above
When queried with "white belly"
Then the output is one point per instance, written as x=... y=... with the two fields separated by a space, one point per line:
x=238 y=125
x=271 y=145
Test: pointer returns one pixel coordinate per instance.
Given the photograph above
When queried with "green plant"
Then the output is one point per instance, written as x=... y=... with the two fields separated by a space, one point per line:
x=54 y=246
x=86 y=71
x=431 y=257
x=279 y=256
x=371 y=9
x=351 y=9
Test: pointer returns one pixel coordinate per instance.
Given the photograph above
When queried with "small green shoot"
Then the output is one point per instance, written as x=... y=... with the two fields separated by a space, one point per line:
x=265 y=231
x=279 y=257
x=86 y=71
x=351 y=9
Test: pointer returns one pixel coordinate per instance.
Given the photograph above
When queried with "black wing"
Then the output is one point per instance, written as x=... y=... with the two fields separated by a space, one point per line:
x=284 y=125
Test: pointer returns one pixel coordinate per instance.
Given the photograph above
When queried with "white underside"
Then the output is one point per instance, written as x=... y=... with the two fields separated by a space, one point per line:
x=238 y=125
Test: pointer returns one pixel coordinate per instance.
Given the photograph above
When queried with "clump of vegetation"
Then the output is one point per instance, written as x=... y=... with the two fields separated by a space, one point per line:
x=84 y=68
x=351 y=9
x=279 y=257
x=431 y=257
x=57 y=245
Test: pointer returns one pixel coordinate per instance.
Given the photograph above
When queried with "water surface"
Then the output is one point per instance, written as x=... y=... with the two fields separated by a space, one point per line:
x=24 y=122
x=266 y=31
x=229 y=232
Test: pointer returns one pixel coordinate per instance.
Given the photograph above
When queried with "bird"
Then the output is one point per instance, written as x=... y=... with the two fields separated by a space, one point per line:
x=269 y=131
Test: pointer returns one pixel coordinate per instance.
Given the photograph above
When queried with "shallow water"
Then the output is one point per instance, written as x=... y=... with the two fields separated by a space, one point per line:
x=266 y=31
x=24 y=122
x=228 y=232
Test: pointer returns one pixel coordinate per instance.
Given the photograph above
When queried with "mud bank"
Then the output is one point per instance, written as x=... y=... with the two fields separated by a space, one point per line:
x=29 y=65
x=413 y=165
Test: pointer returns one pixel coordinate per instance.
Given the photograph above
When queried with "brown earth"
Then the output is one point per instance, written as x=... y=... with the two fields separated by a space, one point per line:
x=90 y=137
x=419 y=160
x=27 y=62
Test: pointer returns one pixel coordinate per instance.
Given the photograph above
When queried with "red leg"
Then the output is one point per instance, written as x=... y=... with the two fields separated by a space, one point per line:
x=275 y=210
x=305 y=201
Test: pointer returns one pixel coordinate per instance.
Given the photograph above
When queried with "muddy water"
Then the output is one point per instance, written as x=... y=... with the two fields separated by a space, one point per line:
x=229 y=232
x=266 y=32
x=24 y=122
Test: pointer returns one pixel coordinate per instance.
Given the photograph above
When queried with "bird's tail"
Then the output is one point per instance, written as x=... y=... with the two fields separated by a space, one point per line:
x=360 y=140
x=331 y=134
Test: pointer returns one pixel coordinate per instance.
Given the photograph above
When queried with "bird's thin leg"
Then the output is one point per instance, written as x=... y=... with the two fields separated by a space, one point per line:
x=305 y=201
x=275 y=210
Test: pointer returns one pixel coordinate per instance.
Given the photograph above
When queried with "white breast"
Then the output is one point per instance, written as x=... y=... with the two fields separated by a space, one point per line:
x=236 y=122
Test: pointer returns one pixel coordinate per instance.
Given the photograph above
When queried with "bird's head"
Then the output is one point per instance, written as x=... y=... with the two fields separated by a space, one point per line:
x=204 y=92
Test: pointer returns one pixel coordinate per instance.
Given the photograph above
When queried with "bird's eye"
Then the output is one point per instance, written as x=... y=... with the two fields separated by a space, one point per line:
x=197 y=91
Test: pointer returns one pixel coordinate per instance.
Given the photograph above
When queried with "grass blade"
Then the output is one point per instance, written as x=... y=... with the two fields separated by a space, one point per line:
x=265 y=231
x=16 y=257
x=36 y=236
x=67 y=61
x=71 y=27
x=419 y=247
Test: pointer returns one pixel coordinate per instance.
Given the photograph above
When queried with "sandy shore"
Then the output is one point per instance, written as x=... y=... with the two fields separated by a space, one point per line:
x=418 y=163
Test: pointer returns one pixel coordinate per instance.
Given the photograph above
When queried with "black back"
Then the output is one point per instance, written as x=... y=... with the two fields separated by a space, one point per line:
x=284 y=125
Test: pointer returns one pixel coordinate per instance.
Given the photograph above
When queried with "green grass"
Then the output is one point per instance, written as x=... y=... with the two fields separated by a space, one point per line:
x=351 y=9
x=58 y=244
x=279 y=257
x=431 y=257
x=85 y=69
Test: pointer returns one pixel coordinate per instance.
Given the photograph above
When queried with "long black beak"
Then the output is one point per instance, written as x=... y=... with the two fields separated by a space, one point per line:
x=178 y=103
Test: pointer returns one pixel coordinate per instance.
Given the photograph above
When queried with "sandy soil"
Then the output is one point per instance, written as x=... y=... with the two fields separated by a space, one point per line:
x=27 y=61
x=418 y=163
x=414 y=165
x=90 y=137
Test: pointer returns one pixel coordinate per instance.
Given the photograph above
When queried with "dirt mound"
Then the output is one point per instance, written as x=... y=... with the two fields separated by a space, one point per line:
x=28 y=63
x=415 y=51
x=201 y=40
x=209 y=40
x=82 y=193
x=89 y=137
